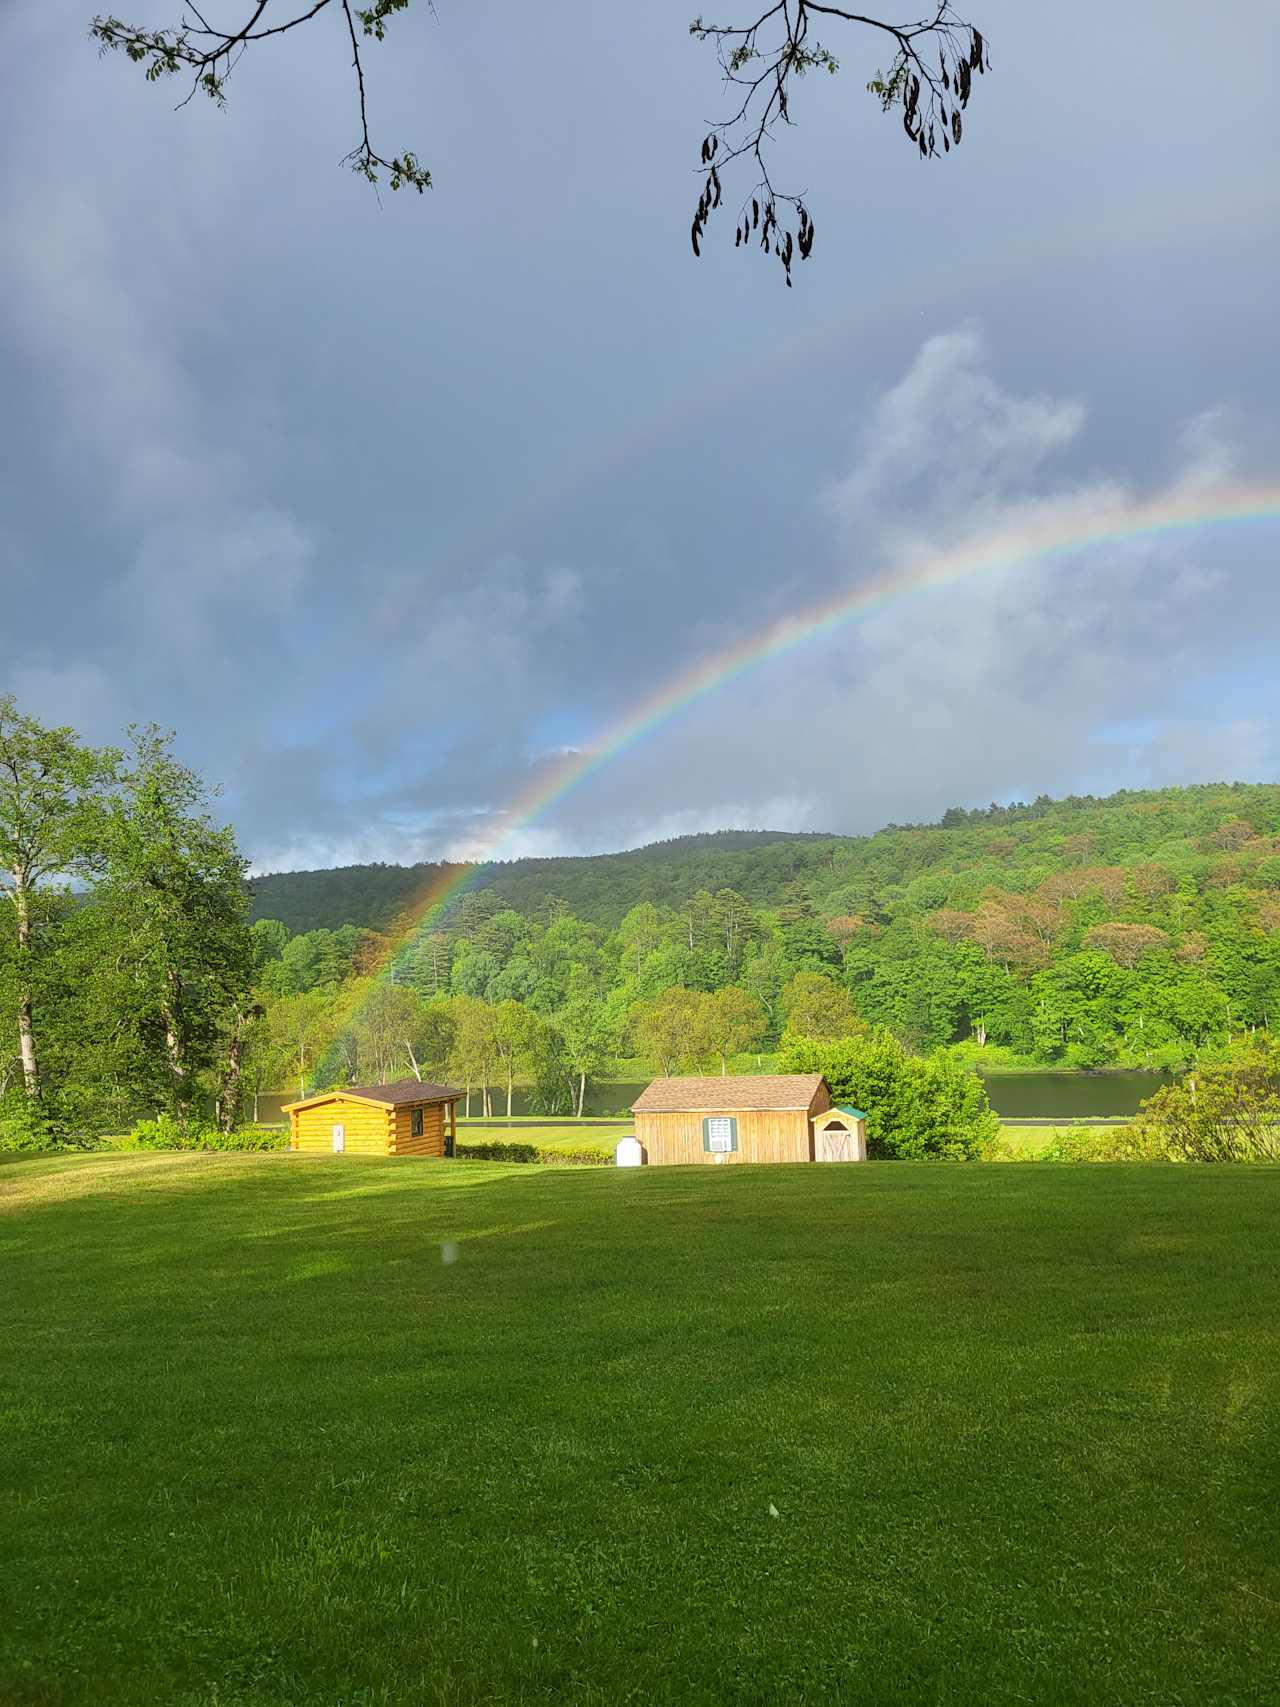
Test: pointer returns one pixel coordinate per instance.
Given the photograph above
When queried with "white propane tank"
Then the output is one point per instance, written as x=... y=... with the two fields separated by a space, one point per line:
x=628 y=1153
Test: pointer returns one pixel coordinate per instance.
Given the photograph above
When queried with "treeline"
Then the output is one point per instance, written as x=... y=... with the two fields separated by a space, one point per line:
x=598 y=888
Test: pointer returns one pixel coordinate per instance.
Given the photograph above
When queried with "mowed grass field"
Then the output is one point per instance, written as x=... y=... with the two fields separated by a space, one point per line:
x=571 y=1137
x=280 y=1430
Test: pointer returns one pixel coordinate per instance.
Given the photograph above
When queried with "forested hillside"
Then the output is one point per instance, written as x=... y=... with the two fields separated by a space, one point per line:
x=1142 y=929
x=598 y=889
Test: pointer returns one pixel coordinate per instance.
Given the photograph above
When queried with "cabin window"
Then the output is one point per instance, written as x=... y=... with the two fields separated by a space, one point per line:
x=720 y=1134
x=415 y=1123
x=339 y=1137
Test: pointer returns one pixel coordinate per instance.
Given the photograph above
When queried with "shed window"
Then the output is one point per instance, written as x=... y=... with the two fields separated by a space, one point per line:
x=720 y=1134
x=415 y=1123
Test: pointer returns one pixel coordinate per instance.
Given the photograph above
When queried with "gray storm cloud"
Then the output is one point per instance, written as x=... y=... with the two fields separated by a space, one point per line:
x=381 y=507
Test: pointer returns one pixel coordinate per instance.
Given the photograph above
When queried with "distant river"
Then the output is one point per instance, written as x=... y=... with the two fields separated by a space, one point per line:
x=1069 y=1096
x=1017 y=1096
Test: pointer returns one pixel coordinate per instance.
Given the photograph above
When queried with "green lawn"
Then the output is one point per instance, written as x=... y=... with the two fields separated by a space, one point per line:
x=1035 y=1138
x=572 y=1137
x=262 y=1444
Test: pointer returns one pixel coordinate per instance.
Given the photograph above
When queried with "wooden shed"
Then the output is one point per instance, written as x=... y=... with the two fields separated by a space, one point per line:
x=840 y=1135
x=764 y=1117
x=405 y=1118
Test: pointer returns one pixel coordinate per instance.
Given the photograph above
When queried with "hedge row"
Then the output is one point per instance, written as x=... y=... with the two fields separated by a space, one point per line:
x=164 y=1133
x=589 y=1156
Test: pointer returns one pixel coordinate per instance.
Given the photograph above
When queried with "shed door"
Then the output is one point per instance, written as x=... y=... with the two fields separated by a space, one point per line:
x=339 y=1137
x=833 y=1144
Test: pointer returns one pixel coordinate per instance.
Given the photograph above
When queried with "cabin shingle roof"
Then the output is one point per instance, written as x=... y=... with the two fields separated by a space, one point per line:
x=747 y=1092
x=400 y=1093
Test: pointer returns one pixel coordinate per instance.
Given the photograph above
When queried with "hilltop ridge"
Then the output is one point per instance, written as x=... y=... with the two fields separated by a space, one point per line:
x=1004 y=845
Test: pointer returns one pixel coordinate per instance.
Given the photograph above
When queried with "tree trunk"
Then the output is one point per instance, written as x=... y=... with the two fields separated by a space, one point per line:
x=26 y=1024
x=582 y=1092
x=255 y=1108
x=510 y=1082
x=468 y=1099
x=724 y=1065
x=175 y=1055
x=229 y=1100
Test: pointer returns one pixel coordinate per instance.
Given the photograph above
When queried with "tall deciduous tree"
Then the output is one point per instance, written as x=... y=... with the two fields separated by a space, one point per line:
x=673 y=1029
x=816 y=1006
x=387 y=1025
x=514 y=1031
x=300 y=1029
x=174 y=888
x=473 y=1047
x=589 y=1043
x=735 y=1020
x=51 y=787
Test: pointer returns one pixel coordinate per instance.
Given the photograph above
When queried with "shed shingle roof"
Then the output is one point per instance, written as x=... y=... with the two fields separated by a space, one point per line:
x=400 y=1093
x=747 y=1092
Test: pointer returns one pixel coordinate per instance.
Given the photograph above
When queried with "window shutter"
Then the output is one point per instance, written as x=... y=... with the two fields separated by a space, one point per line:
x=719 y=1134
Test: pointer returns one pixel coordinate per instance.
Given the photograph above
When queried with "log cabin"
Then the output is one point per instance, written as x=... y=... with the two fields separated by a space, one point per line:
x=764 y=1117
x=408 y=1117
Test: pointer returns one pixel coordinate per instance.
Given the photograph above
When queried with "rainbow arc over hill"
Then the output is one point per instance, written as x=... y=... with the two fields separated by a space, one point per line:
x=1035 y=541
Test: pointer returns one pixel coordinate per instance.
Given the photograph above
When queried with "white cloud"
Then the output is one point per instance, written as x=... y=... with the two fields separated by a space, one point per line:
x=997 y=681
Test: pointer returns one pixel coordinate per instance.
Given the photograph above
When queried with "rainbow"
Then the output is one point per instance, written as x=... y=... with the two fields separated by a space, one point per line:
x=1034 y=541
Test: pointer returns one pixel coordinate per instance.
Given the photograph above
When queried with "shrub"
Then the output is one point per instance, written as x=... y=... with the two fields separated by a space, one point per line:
x=918 y=1108
x=497 y=1150
x=1114 y=1144
x=164 y=1133
x=24 y=1127
x=1225 y=1111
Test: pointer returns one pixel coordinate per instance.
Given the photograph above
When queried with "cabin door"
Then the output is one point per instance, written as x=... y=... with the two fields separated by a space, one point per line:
x=339 y=1139
x=833 y=1144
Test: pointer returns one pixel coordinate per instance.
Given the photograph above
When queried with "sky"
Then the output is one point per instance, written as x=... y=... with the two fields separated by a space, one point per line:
x=385 y=504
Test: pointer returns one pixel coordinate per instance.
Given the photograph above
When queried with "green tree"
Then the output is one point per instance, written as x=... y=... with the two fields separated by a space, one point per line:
x=300 y=1029
x=264 y=1064
x=474 y=1053
x=1226 y=1111
x=425 y=964
x=816 y=1006
x=173 y=887
x=918 y=1108
x=474 y=971
x=515 y=1034
x=270 y=939
x=590 y=1042
x=51 y=789
x=643 y=931
x=673 y=1029
x=387 y=1026
x=735 y=1021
